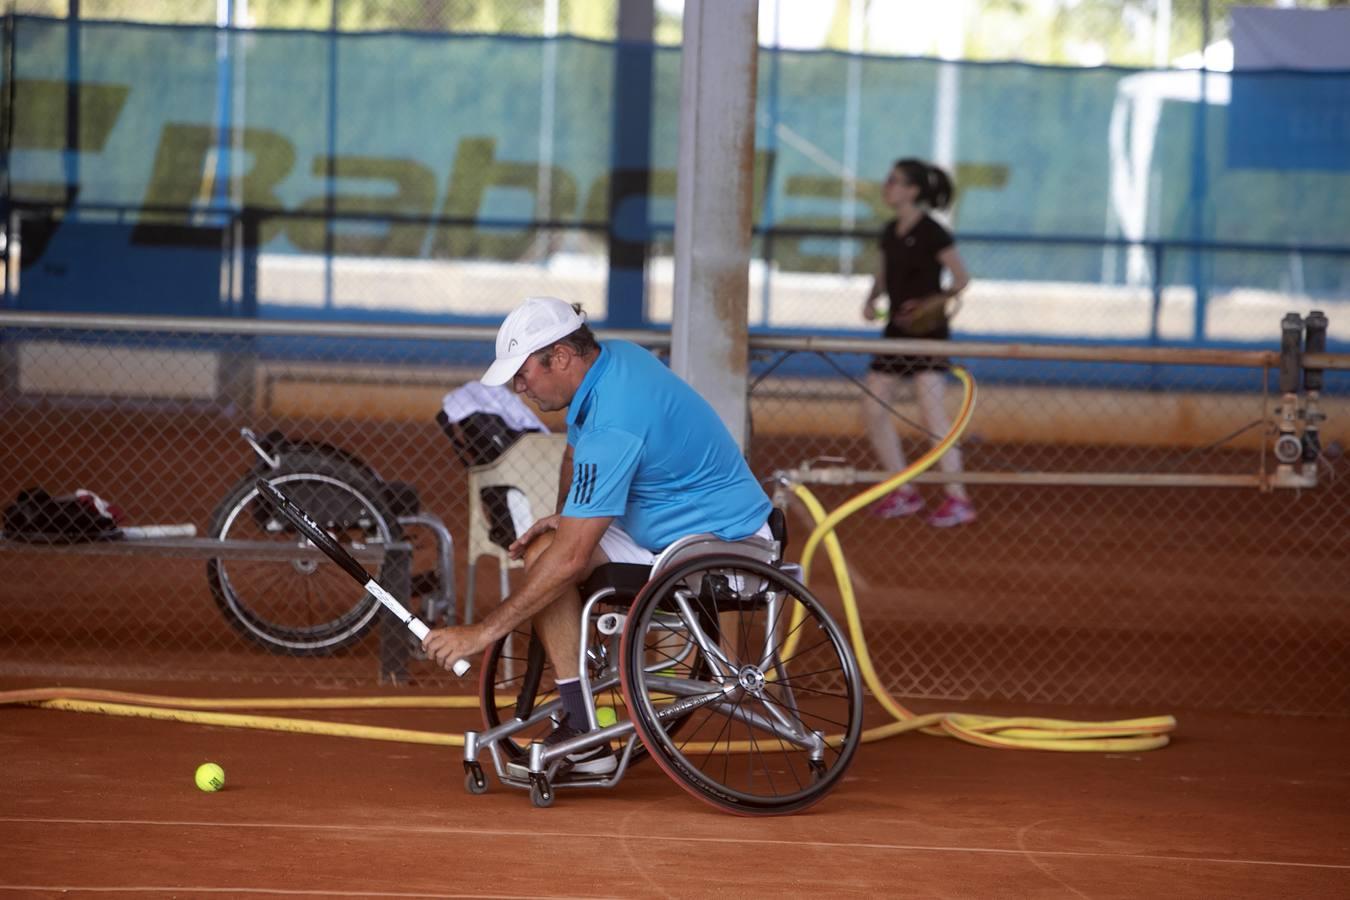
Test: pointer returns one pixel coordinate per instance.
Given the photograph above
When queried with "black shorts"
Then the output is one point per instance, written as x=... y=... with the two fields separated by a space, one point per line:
x=905 y=366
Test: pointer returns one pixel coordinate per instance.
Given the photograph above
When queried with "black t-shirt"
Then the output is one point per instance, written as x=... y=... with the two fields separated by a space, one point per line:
x=912 y=266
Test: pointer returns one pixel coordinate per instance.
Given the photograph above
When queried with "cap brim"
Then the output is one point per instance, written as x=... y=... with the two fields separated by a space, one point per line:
x=503 y=370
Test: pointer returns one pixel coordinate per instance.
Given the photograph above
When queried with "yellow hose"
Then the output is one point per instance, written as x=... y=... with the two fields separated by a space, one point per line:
x=266 y=723
x=1019 y=733
x=198 y=711
x=36 y=696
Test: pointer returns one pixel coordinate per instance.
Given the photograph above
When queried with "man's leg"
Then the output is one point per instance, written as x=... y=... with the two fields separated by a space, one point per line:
x=559 y=624
x=559 y=628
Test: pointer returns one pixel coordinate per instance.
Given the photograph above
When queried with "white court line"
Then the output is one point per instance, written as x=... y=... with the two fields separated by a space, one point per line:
x=675 y=838
x=234 y=891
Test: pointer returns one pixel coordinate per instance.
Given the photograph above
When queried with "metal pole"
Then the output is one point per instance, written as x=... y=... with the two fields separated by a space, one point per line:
x=852 y=115
x=1199 y=198
x=951 y=46
x=71 y=162
x=1061 y=353
x=1162 y=34
x=713 y=204
x=548 y=92
x=630 y=165
x=11 y=217
x=330 y=169
x=771 y=156
x=194 y=325
x=843 y=475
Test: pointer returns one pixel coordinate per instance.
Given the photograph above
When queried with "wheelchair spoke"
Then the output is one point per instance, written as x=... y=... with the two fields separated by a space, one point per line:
x=770 y=753
x=710 y=650
x=817 y=716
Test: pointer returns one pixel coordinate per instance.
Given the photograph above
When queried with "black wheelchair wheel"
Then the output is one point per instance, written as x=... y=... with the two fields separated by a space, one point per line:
x=758 y=734
x=517 y=677
x=300 y=607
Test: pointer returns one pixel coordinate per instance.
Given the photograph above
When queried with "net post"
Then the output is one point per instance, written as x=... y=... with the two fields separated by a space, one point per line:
x=1315 y=342
x=1287 y=446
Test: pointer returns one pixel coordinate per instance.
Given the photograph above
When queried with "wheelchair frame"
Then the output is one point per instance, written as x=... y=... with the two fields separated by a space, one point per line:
x=540 y=773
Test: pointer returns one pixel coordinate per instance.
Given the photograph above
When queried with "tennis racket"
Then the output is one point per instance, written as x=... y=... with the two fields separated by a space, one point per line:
x=333 y=550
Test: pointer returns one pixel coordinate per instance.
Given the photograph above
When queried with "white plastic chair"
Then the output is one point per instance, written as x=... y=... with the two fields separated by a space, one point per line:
x=532 y=466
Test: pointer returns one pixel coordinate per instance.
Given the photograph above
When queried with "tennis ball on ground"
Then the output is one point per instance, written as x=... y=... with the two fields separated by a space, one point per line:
x=210 y=777
x=605 y=716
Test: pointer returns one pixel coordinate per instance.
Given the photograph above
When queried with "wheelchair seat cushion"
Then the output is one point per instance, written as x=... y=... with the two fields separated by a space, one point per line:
x=627 y=579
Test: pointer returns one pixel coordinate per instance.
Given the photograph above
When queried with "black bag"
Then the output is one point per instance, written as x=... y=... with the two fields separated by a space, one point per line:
x=478 y=439
x=36 y=517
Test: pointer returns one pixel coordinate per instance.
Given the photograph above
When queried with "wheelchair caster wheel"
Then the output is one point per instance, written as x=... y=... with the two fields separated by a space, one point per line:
x=817 y=768
x=541 y=792
x=474 y=780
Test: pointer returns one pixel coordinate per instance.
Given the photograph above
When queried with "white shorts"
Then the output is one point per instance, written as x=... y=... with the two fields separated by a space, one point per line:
x=619 y=547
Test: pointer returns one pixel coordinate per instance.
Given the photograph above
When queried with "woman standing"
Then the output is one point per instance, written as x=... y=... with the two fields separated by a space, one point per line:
x=915 y=249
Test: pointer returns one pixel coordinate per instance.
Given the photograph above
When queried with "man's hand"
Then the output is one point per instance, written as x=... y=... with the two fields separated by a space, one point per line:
x=445 y=645
x=547 y=523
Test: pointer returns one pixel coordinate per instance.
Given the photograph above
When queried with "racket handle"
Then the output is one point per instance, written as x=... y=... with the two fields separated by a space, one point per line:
x=150 y=532
x=415 y=625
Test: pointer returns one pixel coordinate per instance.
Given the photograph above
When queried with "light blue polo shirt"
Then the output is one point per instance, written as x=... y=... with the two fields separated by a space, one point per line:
x=651 y=452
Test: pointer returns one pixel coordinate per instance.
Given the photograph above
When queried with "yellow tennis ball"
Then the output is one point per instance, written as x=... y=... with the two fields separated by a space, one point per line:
x=210 y=777
x=605 y=716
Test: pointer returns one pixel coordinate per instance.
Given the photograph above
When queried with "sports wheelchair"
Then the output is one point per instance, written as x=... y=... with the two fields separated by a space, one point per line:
x=299 y=607
x=733 y=677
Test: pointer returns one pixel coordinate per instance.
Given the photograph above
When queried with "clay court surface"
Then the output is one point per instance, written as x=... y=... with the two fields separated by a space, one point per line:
x=1236 y=807
x=1176 y=614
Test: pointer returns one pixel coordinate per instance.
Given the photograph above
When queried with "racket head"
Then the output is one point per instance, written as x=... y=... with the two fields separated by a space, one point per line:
x=297 y=516
x=311 y=530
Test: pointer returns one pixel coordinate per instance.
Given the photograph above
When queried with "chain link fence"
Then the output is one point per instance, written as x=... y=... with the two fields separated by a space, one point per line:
x=1123 y=553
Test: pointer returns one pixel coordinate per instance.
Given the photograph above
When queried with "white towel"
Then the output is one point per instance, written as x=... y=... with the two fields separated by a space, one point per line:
x=476 y=397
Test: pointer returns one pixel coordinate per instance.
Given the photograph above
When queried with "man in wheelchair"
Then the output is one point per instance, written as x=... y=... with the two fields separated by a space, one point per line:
x=648 y=462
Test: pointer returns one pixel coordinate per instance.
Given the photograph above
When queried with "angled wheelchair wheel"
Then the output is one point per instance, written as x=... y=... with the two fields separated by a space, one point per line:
x=305 y=606
x=517 y=677
x=727 y=716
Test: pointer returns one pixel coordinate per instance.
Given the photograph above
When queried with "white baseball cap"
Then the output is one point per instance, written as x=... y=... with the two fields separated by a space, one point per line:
x=531 y=326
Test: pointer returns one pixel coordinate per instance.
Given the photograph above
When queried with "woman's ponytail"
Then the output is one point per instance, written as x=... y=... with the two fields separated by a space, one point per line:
x=935 y=185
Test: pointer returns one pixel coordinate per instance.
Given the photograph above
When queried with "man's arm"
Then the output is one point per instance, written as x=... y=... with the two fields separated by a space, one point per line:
x=564 y=479
x=563 y=563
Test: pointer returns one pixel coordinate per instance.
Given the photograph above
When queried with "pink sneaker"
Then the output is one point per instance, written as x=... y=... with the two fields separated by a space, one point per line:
x=953 y=511
x=901 y=502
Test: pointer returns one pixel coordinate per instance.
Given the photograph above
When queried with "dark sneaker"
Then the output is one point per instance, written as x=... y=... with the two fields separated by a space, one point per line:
x=590 y=761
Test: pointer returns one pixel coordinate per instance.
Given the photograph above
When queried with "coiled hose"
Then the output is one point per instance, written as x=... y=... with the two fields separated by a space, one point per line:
x=1017 y=733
